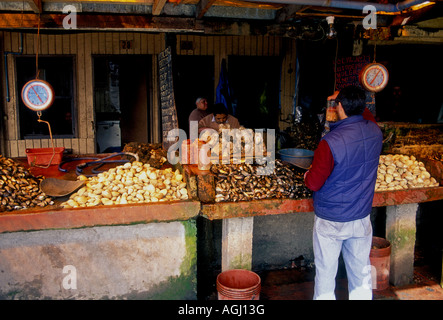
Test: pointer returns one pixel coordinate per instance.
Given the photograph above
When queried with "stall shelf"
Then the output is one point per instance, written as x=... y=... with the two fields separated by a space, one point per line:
x=59 y=218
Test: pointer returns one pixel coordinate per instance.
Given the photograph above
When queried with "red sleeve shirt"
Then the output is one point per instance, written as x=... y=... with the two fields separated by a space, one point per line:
x=367 y=115
x=321 y=168
x=323 y=162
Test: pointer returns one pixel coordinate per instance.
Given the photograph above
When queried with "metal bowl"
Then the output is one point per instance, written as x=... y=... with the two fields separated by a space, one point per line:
x=299 y=157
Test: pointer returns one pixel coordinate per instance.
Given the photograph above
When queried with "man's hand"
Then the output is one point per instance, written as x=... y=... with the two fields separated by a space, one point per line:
x=333 y=96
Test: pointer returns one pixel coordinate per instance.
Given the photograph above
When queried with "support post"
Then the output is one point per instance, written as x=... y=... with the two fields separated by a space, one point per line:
x=237 y=243
x=441 y=279
x=400 y=232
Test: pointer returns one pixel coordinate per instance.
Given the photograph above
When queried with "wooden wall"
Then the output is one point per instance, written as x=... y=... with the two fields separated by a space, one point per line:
x=84 y=45
x=223 y=46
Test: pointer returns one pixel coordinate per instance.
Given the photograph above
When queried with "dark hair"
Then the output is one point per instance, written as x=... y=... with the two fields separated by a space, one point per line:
x=352 y=99
x=219 y=108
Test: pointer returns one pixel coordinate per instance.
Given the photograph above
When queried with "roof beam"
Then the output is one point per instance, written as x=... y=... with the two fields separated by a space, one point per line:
x=157 y=7
x=288 y=12
x=202 y=7
x=36 y=5
x=100 y=22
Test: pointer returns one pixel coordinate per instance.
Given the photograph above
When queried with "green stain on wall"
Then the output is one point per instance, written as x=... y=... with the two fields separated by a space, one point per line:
x=243 y=261
x=183 y=287
x=401 y=238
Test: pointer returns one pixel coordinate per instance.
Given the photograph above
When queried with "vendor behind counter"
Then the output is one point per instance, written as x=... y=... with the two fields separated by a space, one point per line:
x=217 y=119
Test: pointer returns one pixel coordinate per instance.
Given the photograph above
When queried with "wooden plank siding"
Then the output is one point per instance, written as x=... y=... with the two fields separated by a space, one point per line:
x=83 y=46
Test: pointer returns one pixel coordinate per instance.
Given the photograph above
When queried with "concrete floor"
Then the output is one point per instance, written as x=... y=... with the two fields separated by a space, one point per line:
x=293 y=284
x=298 y=284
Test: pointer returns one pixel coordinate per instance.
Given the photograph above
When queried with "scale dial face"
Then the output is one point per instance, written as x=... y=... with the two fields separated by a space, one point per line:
x=37 y=95
x=374 y=77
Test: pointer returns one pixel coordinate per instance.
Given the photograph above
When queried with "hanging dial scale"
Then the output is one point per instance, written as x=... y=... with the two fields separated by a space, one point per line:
x=37 y=95
x=374 y=77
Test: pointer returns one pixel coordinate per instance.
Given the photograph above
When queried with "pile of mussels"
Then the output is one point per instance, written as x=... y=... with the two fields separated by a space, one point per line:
x=244 y=182
x=18 y=188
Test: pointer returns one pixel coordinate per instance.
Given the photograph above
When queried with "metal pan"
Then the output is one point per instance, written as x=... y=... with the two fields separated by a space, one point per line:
x=59 y=188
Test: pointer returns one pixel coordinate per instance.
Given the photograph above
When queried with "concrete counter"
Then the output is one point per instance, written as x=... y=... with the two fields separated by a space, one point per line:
x=142 y=261
x=226 y=210
x=59 y=218
x=133 y=251
x=401 y=209
x=119 y=252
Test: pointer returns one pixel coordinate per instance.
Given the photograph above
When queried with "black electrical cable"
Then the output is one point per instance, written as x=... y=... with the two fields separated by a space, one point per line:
x=95 y=161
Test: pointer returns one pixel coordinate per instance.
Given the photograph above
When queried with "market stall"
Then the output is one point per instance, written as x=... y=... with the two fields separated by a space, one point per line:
x=397 y=189
x=140 y=236
x=135 y=250
x=112 y=73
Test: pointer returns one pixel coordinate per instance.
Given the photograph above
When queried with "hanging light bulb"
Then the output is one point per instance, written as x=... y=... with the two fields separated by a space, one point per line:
x=331 y=34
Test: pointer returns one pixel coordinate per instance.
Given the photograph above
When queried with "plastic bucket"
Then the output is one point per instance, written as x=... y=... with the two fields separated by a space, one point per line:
x=43 y=156
x=380 y=258
x=238 y=284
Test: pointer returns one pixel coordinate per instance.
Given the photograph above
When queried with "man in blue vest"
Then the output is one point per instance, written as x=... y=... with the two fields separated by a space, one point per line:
x=342 y=176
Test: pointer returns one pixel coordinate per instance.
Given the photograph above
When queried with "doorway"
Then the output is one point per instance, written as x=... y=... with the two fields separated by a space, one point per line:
x=194 y=77
x=255 y=83
x=121 y=100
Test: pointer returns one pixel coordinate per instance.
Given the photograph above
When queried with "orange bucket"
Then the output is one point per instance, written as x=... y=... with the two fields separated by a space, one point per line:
x=238 y=284
x=380 y=258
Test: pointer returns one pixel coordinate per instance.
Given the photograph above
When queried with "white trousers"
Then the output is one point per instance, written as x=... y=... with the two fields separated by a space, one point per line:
x=354 y=240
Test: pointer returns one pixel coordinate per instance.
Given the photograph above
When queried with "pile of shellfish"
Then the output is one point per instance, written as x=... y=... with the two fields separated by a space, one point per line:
x=18 y=188
x=236 y=142
x=129 y=183
x=244 y=182
x=304 y=135
x=398 y=172
x=150 y=153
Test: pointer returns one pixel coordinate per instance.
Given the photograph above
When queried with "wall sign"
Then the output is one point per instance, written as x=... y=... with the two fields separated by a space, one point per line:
x=348 y=71
x=167 y=100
